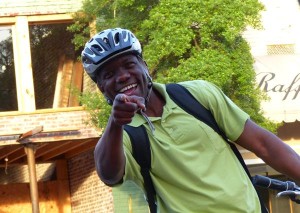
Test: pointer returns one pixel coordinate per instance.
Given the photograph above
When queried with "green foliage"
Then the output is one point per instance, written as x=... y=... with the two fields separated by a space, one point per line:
x=195 y=24
x=96 y=105
x=193 y=40
x=108 y=14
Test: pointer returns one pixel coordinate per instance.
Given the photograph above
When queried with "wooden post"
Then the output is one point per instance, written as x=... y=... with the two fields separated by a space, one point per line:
x=23 y=66
x=63 y=186
x=29 y=149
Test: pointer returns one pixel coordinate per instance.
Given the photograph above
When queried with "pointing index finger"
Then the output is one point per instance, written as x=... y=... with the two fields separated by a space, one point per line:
x=139 y=101
x=122 y=98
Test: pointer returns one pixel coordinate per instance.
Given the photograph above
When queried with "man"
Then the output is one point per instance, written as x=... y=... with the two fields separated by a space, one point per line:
x=192 y=167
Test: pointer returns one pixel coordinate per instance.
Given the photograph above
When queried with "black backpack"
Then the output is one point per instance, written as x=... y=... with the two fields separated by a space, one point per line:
x=141 y=145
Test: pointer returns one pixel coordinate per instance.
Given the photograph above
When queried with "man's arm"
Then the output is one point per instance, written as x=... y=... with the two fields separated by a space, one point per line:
x=109 y=152
x=270 y=149
x=109 y=155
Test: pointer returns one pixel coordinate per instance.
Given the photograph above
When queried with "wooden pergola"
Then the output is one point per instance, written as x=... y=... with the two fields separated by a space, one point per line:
x=25 y=151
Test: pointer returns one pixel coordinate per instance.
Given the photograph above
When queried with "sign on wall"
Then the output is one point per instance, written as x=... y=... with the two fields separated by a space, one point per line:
x=279 y=77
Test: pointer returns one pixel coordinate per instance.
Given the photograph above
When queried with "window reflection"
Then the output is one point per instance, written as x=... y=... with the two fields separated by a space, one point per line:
x=55 y=67
x=8 y=94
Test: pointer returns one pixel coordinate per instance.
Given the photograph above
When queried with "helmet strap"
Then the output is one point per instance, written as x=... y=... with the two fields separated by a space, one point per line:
x=150 y=84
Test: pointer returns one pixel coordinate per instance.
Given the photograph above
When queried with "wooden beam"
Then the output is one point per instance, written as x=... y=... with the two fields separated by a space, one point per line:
x=60 y=150
x=50 y=147
x=63 y=186
x=16 y=155
x=58 y=82
x=61 y=169
x=7 y=20
x=66 y=83
x=40 y=19
x=23 y=66
x=57 y=18
x=83 y=148
x=76 y=83
x=8 y=150
x=30 y=133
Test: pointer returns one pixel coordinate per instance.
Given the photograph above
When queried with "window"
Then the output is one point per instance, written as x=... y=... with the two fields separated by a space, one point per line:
x=8 y=92
x=39 y=67
x=57 y=73
x=280 y=49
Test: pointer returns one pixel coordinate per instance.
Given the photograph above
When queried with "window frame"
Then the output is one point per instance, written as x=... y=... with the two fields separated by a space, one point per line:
x=22 y=54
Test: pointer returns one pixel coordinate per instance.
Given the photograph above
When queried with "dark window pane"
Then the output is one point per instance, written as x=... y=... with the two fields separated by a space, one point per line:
x=8 y=93
x=52 y=52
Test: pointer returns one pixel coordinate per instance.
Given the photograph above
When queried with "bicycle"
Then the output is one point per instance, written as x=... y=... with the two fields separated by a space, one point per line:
x=286 y=188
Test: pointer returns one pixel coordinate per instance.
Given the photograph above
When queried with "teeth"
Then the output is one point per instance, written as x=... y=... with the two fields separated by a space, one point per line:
x=128 y=87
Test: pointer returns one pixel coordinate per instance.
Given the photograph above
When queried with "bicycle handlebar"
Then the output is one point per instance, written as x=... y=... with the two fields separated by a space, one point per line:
x=287 y=188
x=266 y=182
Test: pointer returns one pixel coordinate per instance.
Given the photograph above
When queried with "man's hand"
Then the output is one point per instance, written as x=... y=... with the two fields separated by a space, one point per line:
x=124 y=107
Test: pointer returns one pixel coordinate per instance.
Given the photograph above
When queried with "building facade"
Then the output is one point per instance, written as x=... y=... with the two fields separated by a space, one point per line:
x=276 y=50
x=40 y=114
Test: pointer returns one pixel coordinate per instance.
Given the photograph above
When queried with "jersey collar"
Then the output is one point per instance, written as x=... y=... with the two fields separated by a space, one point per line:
x=138 y=119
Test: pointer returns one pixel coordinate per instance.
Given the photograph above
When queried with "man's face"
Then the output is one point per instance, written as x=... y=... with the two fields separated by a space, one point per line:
x=125 y=74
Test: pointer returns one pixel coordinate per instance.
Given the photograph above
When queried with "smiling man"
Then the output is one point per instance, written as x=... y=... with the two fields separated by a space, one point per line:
x=192 y=168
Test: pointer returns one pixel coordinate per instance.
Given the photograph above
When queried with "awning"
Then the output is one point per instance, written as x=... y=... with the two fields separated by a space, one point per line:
x=279 y=77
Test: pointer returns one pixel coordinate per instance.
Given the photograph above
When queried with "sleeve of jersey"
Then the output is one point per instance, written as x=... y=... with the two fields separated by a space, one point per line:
x=230 y=118
x=132 y=169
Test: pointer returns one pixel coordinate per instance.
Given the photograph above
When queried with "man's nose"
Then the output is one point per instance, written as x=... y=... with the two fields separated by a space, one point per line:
x=122 y=75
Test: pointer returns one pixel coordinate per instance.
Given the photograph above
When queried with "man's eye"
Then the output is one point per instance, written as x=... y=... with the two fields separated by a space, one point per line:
x=107 y=75
x=130 y=64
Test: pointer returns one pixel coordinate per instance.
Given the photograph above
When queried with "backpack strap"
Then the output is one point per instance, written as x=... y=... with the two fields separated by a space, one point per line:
x=142 y=153
x=183 y=98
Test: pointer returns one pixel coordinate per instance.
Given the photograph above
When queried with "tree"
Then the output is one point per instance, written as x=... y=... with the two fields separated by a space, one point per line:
x=192 y=39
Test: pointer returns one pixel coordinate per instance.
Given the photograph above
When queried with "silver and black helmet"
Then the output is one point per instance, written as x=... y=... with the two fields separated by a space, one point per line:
x=105 y=46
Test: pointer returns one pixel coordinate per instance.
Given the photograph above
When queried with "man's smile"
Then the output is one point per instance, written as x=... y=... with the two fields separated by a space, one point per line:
x=128 y=89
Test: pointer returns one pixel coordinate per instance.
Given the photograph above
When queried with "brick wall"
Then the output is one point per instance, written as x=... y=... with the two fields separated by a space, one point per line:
x=11 y=125
x=20 y=174
x=88 y=193
x=34 y=7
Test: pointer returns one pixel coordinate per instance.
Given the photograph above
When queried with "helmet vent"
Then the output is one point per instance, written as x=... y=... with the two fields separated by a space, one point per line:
x=97 y=48
x=117 y=38
x=87 y=50
x=106 y=41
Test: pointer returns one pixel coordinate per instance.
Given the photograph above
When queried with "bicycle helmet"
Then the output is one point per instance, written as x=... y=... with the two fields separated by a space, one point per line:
x=105 y=46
